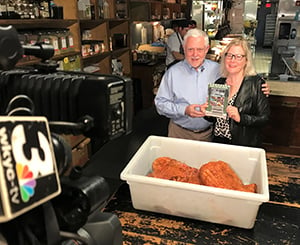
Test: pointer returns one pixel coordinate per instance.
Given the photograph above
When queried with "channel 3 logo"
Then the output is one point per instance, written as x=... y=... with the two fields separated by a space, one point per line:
x=27 y=158
x=33 y=157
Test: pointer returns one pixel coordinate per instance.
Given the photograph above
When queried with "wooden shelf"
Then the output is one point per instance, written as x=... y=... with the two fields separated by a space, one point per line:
x=90 y=24
x=38 y=23
x=61 y=56
x=115 y=22
x=95 y=58
x=119 y=51
x=28 y=62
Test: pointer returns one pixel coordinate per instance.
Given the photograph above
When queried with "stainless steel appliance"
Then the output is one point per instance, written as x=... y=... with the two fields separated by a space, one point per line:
x=287 y=35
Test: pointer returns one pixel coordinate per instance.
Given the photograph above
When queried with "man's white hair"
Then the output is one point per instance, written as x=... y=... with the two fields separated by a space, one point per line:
x=195 y=32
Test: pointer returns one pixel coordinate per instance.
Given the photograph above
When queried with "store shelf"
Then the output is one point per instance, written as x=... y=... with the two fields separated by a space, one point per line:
x=94 y=58
x=38 y=23
x=90 y=24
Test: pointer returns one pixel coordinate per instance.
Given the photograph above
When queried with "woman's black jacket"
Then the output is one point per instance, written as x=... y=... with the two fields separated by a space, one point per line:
x=254 y=109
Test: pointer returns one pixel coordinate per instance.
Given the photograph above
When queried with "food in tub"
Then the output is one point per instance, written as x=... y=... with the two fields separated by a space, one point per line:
x=214 y=173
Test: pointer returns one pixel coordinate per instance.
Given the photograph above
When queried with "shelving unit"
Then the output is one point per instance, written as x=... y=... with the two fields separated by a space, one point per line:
x=100 y=29
x=143 y=10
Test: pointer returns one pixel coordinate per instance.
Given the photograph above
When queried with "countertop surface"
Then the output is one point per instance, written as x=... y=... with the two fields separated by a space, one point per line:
x=284 y=88
x=278 y=221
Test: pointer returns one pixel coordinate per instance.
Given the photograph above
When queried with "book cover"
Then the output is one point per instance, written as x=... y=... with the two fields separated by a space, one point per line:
x=217 y=100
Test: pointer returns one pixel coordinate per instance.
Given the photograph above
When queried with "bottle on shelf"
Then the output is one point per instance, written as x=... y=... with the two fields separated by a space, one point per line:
x=84 y=9
x=11 y=12
x=106 y=10
x=35 y=9
x=70 y=41
x=134 y=55
x=3 y=10
x=110 y=44
x=88 y=11
x=45 y=9
x=297 y=15
x=143 y=35
x=100 y=9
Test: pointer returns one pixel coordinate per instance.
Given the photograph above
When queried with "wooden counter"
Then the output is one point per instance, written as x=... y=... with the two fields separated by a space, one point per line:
x=282 y=133
x=278 y=221
x=283 y=88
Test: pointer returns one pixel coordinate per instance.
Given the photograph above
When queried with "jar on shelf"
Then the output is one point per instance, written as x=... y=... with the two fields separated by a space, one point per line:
x=54 y=39
x=166 y=13
x=63 y=44
x=87 y=35
x=85 y=50
x=70 y=37
x=44 y=37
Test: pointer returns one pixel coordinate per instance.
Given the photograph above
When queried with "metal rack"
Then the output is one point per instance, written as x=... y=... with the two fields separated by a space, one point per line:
x=269 y=30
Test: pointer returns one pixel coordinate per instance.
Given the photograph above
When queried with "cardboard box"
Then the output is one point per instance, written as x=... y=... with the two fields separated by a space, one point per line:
x=217 y=205
x=80 y=155
x=73 y=140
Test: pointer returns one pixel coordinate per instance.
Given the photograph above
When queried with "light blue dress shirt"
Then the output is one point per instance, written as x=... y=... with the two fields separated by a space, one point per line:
x=183 y=85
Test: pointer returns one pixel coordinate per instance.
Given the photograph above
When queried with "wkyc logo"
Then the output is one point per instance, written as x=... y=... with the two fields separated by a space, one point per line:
x=25 y=155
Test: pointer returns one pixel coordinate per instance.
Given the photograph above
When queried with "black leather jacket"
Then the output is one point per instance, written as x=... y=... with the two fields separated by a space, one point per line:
x=254 y=109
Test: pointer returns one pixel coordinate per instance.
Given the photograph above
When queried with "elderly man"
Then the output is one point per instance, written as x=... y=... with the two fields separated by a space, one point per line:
x=184 y=87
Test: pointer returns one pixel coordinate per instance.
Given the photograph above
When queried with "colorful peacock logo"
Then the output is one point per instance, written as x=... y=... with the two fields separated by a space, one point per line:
x=26 y=181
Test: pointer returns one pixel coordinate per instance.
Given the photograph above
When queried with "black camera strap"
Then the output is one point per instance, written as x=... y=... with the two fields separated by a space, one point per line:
x=181 y=50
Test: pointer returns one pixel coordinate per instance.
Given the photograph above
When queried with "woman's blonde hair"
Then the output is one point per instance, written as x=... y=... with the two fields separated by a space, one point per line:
x=249 y=69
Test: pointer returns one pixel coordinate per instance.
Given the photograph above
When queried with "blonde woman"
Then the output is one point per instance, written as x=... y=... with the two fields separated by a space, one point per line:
x=248 y=110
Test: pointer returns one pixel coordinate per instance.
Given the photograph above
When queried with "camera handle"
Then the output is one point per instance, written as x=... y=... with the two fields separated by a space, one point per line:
x=84 y=124
x=102 y=228
x=11 y=50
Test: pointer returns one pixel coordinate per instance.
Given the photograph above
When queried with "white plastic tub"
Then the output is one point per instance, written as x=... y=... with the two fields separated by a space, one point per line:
x=193 y=201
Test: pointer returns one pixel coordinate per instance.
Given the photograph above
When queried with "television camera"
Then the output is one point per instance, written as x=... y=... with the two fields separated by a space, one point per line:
x=39 y=204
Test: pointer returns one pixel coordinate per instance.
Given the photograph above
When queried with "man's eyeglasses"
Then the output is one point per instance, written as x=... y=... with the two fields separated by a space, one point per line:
x=237 y=57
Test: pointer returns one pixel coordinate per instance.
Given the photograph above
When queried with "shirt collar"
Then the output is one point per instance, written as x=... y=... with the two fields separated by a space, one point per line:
x=200 y=69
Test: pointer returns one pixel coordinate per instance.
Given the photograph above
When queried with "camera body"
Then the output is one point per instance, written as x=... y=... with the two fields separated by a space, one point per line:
x=37 y=200
x=38 y=203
